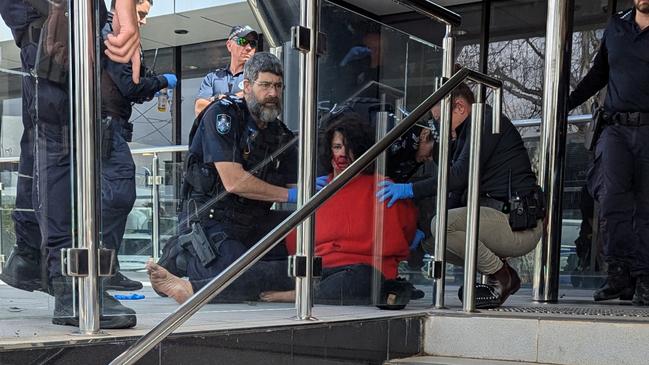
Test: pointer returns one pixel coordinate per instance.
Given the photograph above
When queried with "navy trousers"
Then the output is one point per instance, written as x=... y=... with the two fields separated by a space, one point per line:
x=619 y=182
x=270 y=273
x=117 y=188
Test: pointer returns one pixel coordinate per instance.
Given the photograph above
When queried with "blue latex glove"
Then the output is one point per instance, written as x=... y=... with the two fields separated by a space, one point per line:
x=292 y=195
x=394 y=192
x=321 y=182
x=355 y=54
x=171 y=80
x=416 y=241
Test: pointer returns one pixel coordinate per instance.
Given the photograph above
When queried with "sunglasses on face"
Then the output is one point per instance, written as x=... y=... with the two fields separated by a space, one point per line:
x=242 y=41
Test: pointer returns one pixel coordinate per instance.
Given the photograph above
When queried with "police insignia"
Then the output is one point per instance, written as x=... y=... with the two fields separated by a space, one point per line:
x=241 y=84
x=223 y=123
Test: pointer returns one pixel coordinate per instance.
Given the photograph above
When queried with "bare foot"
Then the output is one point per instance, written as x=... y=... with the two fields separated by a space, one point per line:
x=278 y=296
x=165 y=282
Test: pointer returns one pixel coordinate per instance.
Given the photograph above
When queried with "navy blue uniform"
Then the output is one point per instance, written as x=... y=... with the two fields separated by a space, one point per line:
x=619 y=179
x=118 y=92
x=17 y=16
x=220 y=82
x=45 y=145
x=228 y=133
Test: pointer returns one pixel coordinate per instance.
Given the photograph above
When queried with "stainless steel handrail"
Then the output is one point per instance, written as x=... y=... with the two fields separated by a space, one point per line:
x=254 y=254
x=433 y=11
x=572 y=119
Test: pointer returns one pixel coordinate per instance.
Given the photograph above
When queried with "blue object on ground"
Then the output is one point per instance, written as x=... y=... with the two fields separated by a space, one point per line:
x=131 y=296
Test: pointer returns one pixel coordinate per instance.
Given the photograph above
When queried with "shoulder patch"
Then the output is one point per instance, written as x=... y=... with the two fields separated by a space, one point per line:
x=223 y=123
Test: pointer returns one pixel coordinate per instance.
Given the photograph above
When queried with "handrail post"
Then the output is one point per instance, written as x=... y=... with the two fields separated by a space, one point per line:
x=379 y=210
x=307 y=147
x=553 y=145
x=473 y=207
x=87 y=170
x=155 y=206
x=441 y=213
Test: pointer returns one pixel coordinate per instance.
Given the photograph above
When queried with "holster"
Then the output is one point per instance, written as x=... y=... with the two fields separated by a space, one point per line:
x=106 y=138
x=526 y=210
x=595 y=127
x=205 y=249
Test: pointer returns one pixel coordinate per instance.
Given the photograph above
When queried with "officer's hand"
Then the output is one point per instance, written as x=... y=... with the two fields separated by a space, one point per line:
x=171 y=80
x=321 y=182
x=394 y=192
x=292 y=195
x=124 y=44
x=416 y=241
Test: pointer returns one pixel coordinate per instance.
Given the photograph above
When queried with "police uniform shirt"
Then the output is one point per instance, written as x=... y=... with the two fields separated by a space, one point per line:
x=622 y=62
x=226 y=135
x=220 y=82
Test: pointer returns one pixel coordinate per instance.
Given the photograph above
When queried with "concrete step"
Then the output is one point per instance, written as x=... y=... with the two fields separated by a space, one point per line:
x=441 y=360
x=538 y=337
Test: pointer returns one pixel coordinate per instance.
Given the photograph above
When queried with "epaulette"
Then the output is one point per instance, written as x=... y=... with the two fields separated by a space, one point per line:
x=624 y=13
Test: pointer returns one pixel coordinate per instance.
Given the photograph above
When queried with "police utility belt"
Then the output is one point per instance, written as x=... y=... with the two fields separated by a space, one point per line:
x=524 y=210
x=602 y=118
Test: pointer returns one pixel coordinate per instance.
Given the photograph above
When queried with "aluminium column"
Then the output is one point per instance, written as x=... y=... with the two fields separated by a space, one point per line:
x=306 y=174
x=84 y=99
x=553 y=143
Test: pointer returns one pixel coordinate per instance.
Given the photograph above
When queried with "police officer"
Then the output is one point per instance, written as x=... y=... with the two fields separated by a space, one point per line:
x=241 y=159
x=510 y=223
x=45 y=150
x=118 y=91
x=619 y=180
x=241 y=44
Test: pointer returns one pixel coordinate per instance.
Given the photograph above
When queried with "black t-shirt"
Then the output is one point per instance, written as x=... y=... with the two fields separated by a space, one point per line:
x=501 y=155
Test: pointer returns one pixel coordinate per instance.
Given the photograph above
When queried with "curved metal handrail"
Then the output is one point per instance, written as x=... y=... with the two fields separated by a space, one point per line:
x=254 y=254
x=433 y=11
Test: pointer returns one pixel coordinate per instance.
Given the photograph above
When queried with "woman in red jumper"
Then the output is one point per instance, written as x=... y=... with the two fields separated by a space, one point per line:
x=345 y=233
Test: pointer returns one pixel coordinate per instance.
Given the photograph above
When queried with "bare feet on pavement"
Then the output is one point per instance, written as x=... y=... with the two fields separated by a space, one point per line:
x=165 y=282
x=278 y=296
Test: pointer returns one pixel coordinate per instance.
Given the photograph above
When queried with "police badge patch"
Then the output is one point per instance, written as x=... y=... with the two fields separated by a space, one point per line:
x=223 y=123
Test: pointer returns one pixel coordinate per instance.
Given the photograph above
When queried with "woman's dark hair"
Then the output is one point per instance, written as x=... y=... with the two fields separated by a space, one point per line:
x=357 y=136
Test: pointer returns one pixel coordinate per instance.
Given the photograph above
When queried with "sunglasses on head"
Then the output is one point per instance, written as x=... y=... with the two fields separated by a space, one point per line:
x=242 y=41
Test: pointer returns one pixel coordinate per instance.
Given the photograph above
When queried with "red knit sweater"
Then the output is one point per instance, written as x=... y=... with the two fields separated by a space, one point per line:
x=344 y=232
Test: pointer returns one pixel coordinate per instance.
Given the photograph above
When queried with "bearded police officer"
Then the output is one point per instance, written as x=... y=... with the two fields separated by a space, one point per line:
x=241 y=159
x=619 y=179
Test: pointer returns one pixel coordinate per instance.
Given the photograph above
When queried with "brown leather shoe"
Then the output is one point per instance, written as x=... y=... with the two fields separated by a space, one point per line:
x=505 y=282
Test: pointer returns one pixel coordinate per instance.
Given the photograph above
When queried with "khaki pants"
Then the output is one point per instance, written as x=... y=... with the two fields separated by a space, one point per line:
x=496 y=240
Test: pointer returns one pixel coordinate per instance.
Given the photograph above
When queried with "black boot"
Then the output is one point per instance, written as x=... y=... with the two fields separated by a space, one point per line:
x=113 y=314
x=23 y=269
x=619 y=283
x=641 y=296
x=121 y=282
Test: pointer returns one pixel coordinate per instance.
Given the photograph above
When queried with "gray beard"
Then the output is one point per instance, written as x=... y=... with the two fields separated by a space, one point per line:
x=264 y=113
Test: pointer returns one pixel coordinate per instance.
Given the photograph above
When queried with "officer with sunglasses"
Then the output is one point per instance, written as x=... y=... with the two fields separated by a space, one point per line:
x=242 y=44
